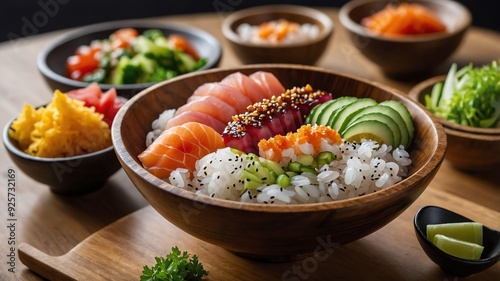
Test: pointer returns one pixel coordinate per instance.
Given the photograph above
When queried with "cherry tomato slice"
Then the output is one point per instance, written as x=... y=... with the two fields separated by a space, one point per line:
x=182 y=43
x=123 y=37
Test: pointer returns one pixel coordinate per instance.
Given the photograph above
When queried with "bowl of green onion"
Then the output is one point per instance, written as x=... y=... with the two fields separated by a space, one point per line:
x=466 y=100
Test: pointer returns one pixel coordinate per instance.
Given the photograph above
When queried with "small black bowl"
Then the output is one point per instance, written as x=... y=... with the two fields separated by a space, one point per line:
x=68 y=175
x=448 y=263
x=51 y=61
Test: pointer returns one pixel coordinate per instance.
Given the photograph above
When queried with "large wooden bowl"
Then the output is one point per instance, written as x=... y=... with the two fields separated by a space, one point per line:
x=275 y=233
x=469 y=148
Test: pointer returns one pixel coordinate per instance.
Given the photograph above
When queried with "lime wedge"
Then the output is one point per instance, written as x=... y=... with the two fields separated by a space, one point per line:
x=458 y=248
x=466 y=231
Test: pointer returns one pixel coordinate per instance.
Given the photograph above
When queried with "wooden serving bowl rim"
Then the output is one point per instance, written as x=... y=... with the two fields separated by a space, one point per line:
x=433 y=161
x=326 y=28
x=422 y=88
x=464 y=21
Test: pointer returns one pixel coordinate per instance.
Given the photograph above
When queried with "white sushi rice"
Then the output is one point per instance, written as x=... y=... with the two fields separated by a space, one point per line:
x=358 y=170
x=158 y=126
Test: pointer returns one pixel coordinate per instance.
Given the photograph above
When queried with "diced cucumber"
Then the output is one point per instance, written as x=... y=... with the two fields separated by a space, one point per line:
x=371 y=130
x=331 y=108
x=405 y=114
x=250 y=184
x=248 y=176
x=273 y=166
x=389 y=111
x=386 y=120
x=341 y=119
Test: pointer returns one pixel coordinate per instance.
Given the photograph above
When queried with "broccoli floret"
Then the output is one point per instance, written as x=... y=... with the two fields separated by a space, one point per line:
x=126 y=72
x=147 y=47
x=97 y=76
x=147 y=64
x=152 y=34
x=160 y=74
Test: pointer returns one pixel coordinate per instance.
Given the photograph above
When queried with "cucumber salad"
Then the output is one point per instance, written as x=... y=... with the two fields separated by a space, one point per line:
x=127 y=57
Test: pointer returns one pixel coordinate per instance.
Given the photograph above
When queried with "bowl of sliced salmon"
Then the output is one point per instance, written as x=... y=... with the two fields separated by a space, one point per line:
x=277 y=162
x=406 y=38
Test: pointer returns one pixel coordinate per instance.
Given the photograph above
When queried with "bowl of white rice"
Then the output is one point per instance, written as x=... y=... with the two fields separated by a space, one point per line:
x=264 y=227
x=278 y=34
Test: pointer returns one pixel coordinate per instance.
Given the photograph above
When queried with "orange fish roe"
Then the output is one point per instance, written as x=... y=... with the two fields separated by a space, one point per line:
x=313 y=135
x=279 y=29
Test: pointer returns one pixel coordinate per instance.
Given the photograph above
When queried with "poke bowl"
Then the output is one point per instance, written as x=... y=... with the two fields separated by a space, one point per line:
x=306 y=45
x=405 y=54
x=273 y=232
x=52 y=61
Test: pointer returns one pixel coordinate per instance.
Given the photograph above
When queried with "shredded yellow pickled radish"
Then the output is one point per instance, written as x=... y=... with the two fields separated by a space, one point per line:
x=63 y=128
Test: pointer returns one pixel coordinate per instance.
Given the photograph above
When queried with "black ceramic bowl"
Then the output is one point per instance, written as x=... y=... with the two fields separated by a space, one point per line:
x=66 y=176
x=51 y=61
x=453 y=265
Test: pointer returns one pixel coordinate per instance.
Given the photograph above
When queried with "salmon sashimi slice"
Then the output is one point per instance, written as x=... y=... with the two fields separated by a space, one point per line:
x=210 y=105
x=180 y=147
x=227 y=93
x=268 y=83
x=245 y=85
x=196 y=116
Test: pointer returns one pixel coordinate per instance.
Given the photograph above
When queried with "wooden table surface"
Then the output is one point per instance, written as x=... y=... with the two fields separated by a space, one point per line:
x=55 y=224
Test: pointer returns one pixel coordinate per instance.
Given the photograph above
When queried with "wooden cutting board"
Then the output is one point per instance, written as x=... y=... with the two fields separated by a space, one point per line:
x=120 y=251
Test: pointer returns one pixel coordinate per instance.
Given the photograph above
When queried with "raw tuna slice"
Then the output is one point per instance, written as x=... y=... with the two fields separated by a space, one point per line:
x=278 y=115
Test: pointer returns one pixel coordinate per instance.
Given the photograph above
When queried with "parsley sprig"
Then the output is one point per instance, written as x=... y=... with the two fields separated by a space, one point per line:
x=176 y=266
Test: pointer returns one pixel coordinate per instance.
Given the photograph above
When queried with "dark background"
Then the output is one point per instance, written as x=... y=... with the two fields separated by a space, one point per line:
x=21 y=18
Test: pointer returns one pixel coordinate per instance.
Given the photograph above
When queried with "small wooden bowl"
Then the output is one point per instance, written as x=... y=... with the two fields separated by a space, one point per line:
x=410 y=55
x=306 y=53
x=271 y=232
x=469 y=148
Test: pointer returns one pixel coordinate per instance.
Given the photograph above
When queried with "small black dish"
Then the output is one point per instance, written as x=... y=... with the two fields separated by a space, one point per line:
x=450 y=264
x=51 y=61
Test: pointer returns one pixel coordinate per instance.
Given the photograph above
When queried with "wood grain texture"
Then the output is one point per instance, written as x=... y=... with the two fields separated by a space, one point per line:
x=56 y=224
x=221 y=222
x=124 y=247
